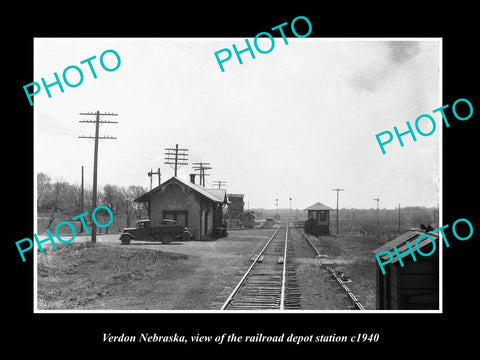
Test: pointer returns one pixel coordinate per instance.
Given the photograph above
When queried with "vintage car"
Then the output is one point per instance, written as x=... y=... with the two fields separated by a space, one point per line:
x=166 y=231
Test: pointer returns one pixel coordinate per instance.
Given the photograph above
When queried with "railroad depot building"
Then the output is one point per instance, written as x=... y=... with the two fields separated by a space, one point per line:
x=200 y=209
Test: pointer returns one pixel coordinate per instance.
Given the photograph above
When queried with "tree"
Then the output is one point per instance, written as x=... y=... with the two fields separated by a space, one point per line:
x=128 y=206
x=43 y=188
x=59 y=189
x=72 y=199
x=111 y=197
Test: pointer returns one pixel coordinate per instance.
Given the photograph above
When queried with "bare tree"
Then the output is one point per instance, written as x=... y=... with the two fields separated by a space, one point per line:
x=111 y=197
x=43 y=187
x=72 y=201
x=59 y=189
x=129 y=207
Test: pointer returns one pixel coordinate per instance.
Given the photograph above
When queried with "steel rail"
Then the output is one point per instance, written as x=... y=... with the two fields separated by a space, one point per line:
x=242 y=280
x=284 y=272
x=310 y=243
x=356 y=302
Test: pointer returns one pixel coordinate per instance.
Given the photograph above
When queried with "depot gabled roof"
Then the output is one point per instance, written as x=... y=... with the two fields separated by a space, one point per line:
x=401 y=243
x=318 y=206
x=215 y=195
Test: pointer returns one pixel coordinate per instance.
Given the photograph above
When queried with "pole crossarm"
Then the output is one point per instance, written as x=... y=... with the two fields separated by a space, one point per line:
x=176 y=157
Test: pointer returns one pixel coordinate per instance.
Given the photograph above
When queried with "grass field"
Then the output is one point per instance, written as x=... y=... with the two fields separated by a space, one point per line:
x=353 y=256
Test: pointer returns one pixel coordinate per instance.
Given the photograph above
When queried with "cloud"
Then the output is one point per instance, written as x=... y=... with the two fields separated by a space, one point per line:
x=370 y=77
x=402 y=51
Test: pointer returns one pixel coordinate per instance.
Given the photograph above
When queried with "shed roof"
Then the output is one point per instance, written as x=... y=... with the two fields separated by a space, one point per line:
x=249 y=213
x=215 y=196
x=401 y=243
x=318 y=206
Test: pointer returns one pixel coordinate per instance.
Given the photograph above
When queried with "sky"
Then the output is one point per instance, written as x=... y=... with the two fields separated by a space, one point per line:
x=294 y=123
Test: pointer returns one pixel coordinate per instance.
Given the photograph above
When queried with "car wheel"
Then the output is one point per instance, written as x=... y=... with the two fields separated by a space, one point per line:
x=125 y=239
x=185 y=236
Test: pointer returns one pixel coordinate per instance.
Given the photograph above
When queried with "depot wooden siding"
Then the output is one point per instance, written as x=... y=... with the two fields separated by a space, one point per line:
x=415 y=286
x=197 y=208
x=175 y=199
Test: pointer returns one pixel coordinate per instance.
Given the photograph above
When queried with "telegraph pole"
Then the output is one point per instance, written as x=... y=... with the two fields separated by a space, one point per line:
x=398 y=217
x=151 y=173
x=97 y=123
x=378 y=221
x=201 y=167
x=219 y=183
x=290 y=212
x=175 y=156
x=337 y=190
x=81 y=203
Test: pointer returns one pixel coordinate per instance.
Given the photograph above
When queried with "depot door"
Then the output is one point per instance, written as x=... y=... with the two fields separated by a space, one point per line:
x=181 y=217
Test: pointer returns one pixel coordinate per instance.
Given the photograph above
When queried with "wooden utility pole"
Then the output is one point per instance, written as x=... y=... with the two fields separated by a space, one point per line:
x=97 y=123
x=151 y=173
x=378 y=221
x=176 y=157
x=337 y=190
x=219 y=183
x=201 y=167
x=398 y=217
x=290 y=212
x=81 y=203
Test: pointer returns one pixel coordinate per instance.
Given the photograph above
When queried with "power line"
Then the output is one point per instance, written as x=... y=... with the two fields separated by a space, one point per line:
x=176 y=157
x=97 y=123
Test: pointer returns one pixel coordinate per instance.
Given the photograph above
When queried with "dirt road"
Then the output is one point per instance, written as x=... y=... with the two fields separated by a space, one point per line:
x=194 y=275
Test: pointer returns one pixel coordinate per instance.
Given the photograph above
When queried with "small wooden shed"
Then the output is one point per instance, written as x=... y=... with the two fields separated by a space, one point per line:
x=415 y=286
x=248 y=219
x=318 y=222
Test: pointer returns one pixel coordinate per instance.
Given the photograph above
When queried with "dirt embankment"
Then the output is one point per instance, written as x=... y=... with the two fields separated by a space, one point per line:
x=86 y=276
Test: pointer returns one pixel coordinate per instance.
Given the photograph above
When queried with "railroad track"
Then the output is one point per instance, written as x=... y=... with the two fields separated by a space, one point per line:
x=356 y=303
x=270 y=281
